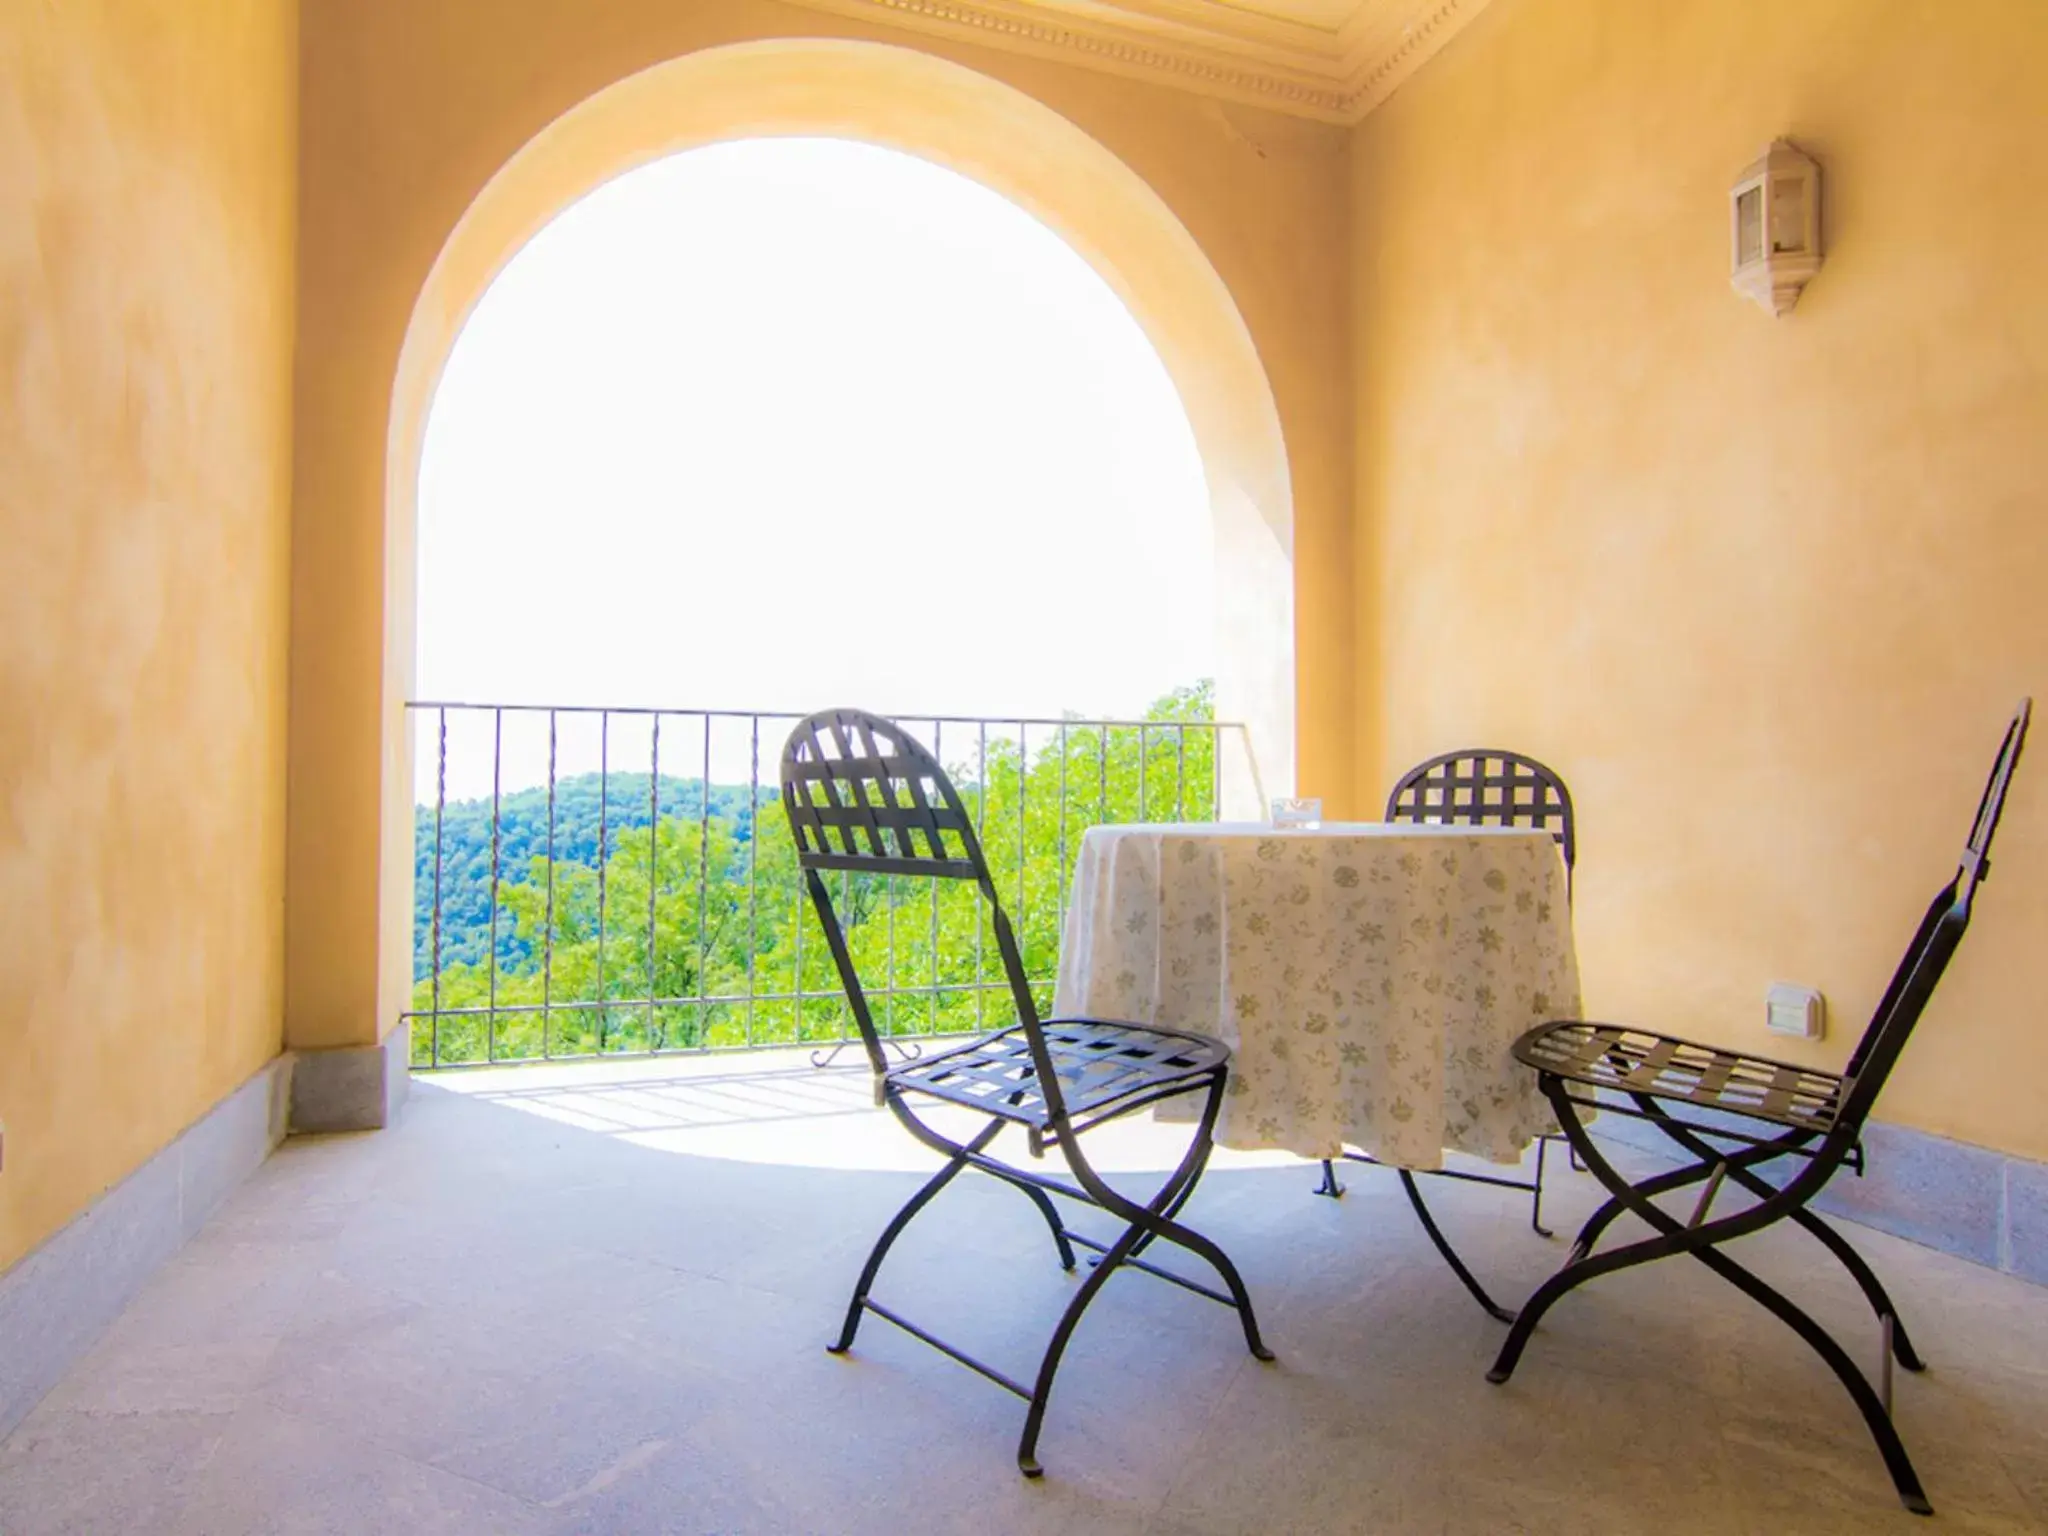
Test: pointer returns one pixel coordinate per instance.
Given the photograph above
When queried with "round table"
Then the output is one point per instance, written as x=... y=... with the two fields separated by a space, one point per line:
x=1369 y=978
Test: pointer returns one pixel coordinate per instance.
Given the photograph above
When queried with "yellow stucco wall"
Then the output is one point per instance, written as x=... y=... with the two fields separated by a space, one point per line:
x=1762 y=589
x=146 y=317
x=409 y=107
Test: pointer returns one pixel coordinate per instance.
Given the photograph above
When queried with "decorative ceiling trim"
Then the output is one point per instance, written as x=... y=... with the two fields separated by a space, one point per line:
x=1376 y=74
x=1149 y=52
x=1221 y=50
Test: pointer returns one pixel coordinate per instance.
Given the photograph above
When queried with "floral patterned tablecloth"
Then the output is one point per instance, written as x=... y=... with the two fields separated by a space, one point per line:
x=1369 y=979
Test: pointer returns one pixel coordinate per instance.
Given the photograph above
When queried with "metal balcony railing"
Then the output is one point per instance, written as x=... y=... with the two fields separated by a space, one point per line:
x=593 y=882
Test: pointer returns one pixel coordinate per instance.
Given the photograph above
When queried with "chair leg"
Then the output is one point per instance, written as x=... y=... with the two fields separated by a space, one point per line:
x=1487 y=1303
x=1873 y=1289
x=898 y=1222
x=1034 y=1418
x=1046 y=1209
x=1189 y=1174
x=1706 y=1159
x=1859 y=1269
x=1038 y=1197
x=1876 y=1415
x=1581 y=1264
x=1154 y=1219
x=1240 y=1297
x=1332 y=1188
x=1144 y=1224
x=1700 y=1242
x=1603 y=1218
x=1536 y=1194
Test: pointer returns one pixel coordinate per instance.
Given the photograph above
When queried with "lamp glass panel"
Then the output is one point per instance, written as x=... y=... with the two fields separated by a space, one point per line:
x=1749 y=225
x=1788 y=214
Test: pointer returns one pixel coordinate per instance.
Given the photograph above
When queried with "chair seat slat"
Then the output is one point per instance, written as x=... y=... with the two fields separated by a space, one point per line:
x=1097 y=1062
x=1625 y=1060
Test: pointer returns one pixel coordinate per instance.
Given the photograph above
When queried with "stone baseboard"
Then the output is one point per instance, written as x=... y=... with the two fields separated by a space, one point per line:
x=56 y=1302
x=356 y=1088
x=1988 y=1207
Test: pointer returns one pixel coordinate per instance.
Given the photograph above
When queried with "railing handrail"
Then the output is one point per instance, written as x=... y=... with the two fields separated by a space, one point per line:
x=913 y=716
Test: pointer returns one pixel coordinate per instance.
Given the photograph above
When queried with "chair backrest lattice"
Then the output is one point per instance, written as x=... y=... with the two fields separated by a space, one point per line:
x=1934 y=943
x=1487 y=787
x=864 y=796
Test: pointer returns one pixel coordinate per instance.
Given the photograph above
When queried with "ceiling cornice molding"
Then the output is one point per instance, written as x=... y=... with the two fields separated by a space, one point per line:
x=1334 y=75
x=1374 y=73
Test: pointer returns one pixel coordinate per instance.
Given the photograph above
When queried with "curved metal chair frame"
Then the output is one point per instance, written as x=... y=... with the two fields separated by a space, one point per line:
x=1478 y=787
x=1764 y=1110
x=865 y=797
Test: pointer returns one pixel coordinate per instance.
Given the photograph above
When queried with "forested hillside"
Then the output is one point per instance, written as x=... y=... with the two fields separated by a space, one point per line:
x=458 y=862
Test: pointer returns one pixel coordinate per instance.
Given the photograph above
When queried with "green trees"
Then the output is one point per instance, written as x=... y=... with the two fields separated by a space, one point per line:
x=452 y=850
x=692 y=931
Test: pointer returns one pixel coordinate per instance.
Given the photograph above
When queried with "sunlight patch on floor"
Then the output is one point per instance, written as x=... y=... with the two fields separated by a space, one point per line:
x=774 y=1106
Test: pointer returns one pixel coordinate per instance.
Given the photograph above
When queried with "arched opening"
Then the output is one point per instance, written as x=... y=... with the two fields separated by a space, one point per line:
x=987 y=131
x=768 y=425
x=732 y=388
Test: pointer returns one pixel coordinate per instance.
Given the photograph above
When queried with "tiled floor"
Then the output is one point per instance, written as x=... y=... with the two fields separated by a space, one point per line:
x=594 y=1300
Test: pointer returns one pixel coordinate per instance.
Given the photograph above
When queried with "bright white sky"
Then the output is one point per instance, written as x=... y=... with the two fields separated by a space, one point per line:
x=790 y=423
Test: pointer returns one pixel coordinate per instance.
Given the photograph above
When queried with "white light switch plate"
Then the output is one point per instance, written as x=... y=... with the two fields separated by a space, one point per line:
x=1795 y=1010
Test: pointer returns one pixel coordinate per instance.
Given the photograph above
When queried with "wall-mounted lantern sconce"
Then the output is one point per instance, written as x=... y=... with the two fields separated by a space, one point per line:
x=1774 y=217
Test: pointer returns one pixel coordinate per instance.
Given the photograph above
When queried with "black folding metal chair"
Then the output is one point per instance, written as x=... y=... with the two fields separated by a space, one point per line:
x=864 y=796
x=1764 y=1110
x=1478 y=787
